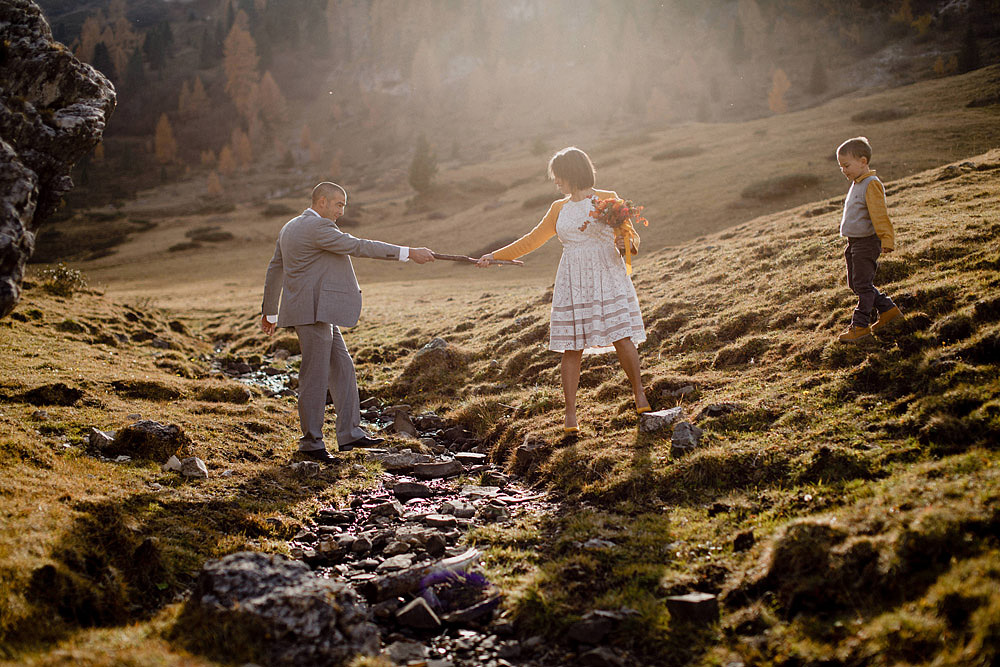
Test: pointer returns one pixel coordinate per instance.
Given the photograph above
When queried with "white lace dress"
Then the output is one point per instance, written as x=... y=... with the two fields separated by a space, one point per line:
x=593 y=300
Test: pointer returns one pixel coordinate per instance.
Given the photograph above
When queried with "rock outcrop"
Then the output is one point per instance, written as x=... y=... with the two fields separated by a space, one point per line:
x=53 y=109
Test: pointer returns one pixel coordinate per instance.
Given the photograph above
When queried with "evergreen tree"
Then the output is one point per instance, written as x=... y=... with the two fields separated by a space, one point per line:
x=818 y=83
x=102 y=61
x=210 y=52
x=135 y=73
x=423 y=168
x=155 y=48
x=969 y=57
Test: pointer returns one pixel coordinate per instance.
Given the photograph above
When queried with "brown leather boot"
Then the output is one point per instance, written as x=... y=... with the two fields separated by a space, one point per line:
x=853 y=333
x=886 y=317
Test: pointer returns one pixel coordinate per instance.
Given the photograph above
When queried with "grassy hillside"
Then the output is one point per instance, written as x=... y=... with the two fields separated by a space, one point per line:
x=694 y=179
x=844 y=506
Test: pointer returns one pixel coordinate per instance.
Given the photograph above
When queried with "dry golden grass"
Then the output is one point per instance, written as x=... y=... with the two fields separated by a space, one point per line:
x=891 y=441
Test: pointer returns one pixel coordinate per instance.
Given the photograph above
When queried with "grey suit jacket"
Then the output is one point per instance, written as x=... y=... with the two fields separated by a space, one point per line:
x=312 y=274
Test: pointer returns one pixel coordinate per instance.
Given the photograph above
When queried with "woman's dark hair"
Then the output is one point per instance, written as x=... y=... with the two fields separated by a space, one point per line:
x=573 y=166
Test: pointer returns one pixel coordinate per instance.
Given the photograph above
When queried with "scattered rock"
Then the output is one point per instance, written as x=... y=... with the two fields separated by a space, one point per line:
x=40 y=415
x=398 y=461
x=660 y=419
x=597 y=543
x=441 y=520
x=173 y=464
x=594 y=626
x=459 y=508
x=194 y=467
x=405 y=652
x=685 y=438
x=438 y=469
x=533 y=450
x=401 y=424
x=149 y=440
x=99 y=440
x=285 y=613
x=700 y=608
x=492 y=512
x=409 y=490
x=306 y=468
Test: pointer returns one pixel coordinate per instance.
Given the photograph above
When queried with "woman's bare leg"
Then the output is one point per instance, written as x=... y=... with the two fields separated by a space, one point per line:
x=571 y=361
x=628 y=356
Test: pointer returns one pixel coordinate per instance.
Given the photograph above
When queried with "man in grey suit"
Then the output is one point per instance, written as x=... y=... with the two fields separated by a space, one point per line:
x=311 y=272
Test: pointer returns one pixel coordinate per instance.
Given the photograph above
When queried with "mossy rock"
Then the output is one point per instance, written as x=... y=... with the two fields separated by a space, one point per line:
x=436 y=368
x=290 y=343
x=57 y=393
x=149 y=440
x=150 y=390
x=224 y=392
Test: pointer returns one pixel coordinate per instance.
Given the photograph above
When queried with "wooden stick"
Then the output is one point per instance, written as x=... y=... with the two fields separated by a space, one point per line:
x=471 y=260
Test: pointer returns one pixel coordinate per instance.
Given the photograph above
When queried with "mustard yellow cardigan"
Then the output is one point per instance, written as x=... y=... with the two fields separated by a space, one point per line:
x=546 y=229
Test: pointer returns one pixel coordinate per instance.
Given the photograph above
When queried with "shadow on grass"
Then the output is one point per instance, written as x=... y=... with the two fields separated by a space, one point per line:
x=123 y=559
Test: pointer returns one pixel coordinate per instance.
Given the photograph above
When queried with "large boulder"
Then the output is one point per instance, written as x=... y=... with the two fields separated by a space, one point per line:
x=271 y=609
x=53 y=109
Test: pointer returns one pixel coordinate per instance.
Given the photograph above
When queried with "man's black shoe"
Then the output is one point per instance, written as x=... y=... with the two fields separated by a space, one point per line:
x=320 y=455
x=366 y=441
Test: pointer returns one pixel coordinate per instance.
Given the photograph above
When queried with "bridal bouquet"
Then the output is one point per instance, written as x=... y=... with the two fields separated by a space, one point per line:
x=615 y=213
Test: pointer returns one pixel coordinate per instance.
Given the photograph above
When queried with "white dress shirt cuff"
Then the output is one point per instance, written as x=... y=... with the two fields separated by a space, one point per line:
x=273 y=319
x=404 y=254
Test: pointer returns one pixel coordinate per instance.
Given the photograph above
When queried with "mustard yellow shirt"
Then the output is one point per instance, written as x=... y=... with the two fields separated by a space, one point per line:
x=546 y=229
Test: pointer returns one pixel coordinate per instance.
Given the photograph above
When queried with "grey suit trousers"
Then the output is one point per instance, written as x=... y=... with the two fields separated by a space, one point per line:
x=326 y=367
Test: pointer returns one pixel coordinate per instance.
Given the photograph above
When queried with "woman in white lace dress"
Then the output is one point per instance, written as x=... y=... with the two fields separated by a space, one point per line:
x=594 y=306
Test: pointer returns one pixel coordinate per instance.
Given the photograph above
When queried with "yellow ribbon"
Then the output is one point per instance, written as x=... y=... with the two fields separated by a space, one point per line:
x=627 y=235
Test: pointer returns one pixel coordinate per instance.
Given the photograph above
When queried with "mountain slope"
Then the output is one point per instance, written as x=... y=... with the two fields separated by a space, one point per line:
x=844 y=506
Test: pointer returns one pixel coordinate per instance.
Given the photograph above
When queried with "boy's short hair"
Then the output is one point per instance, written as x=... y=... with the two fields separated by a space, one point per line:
x=857 y=147
x=573 y=166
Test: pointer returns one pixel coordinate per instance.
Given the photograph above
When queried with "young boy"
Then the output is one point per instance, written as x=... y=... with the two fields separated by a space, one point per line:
x=869 y=233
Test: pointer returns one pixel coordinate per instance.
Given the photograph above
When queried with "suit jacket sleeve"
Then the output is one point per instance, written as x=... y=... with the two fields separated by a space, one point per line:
x=272 y=282
x=331 y=239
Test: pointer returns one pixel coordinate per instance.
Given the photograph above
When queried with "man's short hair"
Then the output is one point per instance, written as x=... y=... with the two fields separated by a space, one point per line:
x=857 y=147
x=573 y=166
x=327 y=190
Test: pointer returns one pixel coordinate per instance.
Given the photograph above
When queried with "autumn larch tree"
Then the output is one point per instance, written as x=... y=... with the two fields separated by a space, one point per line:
x=240 y=65
x=164 y=144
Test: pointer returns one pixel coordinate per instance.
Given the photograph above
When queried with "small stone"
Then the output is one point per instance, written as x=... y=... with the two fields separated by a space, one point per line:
x=122 y=459
x=718 y=410
x=470 y=458
x=686 y=437
x=440 y=520
x=459 y=508
x=173 y=463
x=100 y=440
x=370 y=402
x=402 y=652
x=389 y=508
x=597 y=543
x=194 y=467
x=660 y=419
x=405 y=491
x=436 y=545
x=333 y=517
x=361 y=545
x=454 y=433
x=594 y=626
x=492 y=512
x=701 y=608
x=437 y=470
x=401 y=424
x=307 y=468
x=400 y=562
x=396 y=548
x=40 y=415
x=480 y=491
x=531 y=452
